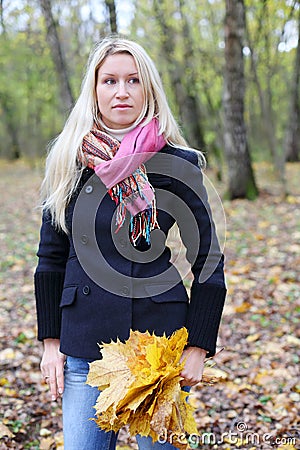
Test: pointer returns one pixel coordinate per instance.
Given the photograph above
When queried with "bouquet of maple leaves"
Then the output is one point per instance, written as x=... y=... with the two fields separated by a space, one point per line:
x=140 y=387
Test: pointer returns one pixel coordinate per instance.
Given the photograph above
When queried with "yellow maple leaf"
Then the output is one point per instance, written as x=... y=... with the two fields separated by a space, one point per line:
x=113 y=365
x=212 y=375
x=153 y=355
x=162 y=412
x=140 y=384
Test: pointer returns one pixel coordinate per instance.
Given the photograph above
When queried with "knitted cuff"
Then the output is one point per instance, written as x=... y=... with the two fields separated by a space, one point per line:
x=204 y=315
x=48 y=290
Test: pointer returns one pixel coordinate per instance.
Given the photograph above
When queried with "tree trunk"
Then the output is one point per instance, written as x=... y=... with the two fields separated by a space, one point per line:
x=7 y=106
x=265 y=96
x=189 y=80
x=111 y=7
x=2 y=17
x=188 y=110
x=241 y=177
x=10 y=122
x=292 y=140
x=57 y=56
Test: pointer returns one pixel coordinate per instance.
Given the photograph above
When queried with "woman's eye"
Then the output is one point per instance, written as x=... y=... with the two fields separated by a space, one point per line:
x=134 y=80
x=109 y=81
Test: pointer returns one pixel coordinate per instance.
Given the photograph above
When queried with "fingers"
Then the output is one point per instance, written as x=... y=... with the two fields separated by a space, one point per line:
x=194 y=365
x=60 y=379
x=52 y=383
x=52 y=368
x=190 y=380
x=55 y=380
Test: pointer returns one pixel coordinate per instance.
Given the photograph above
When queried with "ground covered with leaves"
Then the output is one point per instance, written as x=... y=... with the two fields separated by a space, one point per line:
x=256 y=406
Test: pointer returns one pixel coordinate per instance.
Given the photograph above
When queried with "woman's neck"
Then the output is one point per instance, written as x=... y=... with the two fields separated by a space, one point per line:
x=118 y=134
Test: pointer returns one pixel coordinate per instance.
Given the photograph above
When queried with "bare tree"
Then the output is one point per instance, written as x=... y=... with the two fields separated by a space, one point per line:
x=263 y=94
x=292 y=140
x=7 y=105
x=189 y=80
x=241 y=177
x=111 y=7
x=188 y=103
x=2 y=16
x=57 y=55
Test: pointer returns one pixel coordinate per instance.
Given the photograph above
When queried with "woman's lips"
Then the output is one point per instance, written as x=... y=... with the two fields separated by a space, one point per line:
x=122 y=106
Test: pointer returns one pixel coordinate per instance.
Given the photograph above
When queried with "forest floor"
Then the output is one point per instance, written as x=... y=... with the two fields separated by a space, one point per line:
x=257 y=404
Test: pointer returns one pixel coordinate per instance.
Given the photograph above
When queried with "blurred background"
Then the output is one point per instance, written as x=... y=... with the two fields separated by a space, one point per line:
x=230 y=69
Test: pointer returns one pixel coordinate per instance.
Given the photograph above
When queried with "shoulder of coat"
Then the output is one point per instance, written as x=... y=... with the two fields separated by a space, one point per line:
x=189 y=154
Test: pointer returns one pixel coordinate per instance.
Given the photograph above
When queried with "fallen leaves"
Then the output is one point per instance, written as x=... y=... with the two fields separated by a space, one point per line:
x=5 y=431
x=260 y=327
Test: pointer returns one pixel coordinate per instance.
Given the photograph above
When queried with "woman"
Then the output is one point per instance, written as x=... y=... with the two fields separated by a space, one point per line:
x=105 y=270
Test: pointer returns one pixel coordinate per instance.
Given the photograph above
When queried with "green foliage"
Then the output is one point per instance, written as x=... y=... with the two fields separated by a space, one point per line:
x=271 y=27
x=29 y=96
x=28 y=82
x=205 y=21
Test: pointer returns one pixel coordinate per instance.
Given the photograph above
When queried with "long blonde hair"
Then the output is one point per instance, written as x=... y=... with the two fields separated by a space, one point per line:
x=62 y=169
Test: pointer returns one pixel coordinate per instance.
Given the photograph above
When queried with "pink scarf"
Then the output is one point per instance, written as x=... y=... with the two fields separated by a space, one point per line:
x=123 y=172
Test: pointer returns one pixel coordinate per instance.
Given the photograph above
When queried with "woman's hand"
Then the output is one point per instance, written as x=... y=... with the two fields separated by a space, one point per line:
x=194 y=364
x=52 y=367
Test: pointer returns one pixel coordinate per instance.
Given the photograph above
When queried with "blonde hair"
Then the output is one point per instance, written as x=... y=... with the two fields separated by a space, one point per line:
x=62 y=169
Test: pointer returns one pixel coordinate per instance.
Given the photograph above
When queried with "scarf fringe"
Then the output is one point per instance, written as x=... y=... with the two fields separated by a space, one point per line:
x=142 y=223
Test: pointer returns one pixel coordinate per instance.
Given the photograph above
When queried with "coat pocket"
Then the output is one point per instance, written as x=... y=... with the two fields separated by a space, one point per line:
x=68 y=296
x=159 y=293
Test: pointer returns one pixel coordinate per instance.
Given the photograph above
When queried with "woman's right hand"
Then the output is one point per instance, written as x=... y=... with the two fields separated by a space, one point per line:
x=52 y=367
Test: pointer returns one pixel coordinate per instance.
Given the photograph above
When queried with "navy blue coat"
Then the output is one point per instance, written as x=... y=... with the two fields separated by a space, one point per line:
x=93 y=286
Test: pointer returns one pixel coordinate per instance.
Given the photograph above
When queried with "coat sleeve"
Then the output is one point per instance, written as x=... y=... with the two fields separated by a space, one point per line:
x=208 y=290
x=49 y=277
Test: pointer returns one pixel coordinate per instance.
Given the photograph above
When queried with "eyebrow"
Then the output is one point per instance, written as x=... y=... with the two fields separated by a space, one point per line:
x=113 y=74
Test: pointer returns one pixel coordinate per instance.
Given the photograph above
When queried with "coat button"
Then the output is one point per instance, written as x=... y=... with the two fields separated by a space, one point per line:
x=88 y=189
x=84 y=239
x=125 y=290
x=86 y=290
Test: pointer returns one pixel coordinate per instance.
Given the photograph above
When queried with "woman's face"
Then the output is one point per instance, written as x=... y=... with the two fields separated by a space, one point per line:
x=119 y=92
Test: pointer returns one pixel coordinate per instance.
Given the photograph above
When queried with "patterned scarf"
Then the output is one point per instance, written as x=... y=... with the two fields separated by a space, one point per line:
x=123 y=172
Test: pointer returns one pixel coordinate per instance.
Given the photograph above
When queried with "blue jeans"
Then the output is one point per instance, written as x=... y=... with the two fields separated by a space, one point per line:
x=80 y=433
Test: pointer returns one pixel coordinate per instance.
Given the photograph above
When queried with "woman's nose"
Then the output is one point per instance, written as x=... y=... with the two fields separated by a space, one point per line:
x=122 y=90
